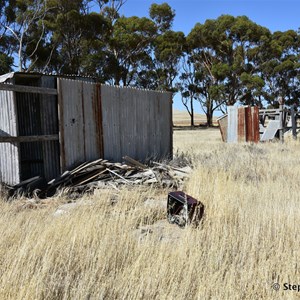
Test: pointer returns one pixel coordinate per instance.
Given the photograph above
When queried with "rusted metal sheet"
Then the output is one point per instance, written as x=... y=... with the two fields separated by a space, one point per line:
x=252 y=124
x=9 y=152
x=255 y=123
x=80 y=119
x=249 y=126
x=91 y=121
x=241 y=125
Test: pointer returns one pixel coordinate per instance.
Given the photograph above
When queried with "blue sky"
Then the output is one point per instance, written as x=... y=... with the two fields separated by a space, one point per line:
x=277 y=15
x=273 y=14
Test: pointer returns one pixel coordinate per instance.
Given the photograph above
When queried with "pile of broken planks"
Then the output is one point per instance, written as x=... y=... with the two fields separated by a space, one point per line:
x=104 y=174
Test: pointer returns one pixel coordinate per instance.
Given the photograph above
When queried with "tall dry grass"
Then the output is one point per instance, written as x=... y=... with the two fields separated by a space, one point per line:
x=248 y=241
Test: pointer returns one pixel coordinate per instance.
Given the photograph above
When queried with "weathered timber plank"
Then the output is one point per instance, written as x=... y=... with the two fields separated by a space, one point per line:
x=27 y=89
x=32 y=138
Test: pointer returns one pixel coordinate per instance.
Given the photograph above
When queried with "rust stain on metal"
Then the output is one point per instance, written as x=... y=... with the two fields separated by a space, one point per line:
x=248 y=121
x=255 y=123
x=241 y=125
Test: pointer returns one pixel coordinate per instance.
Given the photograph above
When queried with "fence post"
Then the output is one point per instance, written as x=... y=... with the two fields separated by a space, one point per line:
x=281 y=116
x=294 y=121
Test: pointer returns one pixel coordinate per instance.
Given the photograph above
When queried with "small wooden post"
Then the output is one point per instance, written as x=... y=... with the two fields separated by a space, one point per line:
x=281 y=116
x=294 y=121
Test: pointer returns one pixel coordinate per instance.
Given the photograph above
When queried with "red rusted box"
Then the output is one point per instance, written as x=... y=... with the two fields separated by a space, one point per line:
x=183 y=209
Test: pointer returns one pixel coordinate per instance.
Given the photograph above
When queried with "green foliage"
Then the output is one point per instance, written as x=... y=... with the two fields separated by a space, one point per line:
x=221 y=62
x=163 y=16
x=5 y=63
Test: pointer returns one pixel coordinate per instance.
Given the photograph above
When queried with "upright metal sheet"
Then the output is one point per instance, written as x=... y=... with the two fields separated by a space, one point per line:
x=9 y=152
x=129 y=131
x=112 y=129
x=223 y=124
x=271 y=130
x=255 y=123
x=80 y=122
x=241 y=125
x=92 y=121
x=165 y=124
x=71 y=123
x=249 y=124
x=137 y=123
x=232 y=132
x=49 y=126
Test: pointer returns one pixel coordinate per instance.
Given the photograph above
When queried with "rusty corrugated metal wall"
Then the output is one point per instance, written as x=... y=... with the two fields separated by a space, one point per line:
x=111 y=122
x=243 y=124
x=85 y=121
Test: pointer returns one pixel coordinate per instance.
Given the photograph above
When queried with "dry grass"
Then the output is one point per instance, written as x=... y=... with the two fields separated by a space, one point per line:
x=249 y=239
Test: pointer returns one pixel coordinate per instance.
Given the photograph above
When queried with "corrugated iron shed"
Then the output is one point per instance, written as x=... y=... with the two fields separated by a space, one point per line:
x=49 y=124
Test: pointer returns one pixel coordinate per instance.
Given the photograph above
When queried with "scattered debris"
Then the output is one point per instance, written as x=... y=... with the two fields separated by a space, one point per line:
x=183 y=209
x=104 y=174
x=251 y=124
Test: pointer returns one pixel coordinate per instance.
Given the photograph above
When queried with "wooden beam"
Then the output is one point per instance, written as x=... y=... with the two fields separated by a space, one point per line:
x=25 y=139
x=27 y=89
x=294 y=123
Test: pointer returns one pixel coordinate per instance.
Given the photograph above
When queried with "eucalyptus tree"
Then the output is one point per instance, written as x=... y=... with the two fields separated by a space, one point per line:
x=128 y=49
x=162 y=68
x=280 y=67
x=7 y=43
x=221 y=52
x=74 y=33
x=22 y=23
x=195 y=84
x=188 y=87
